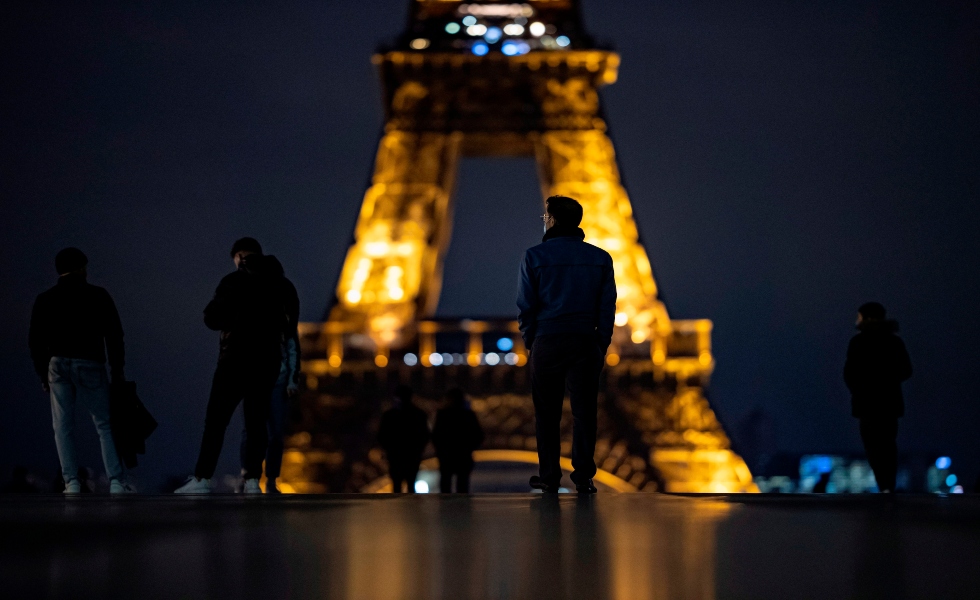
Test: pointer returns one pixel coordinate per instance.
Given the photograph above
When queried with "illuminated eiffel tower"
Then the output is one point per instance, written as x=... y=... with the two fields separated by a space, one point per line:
x=494 y=78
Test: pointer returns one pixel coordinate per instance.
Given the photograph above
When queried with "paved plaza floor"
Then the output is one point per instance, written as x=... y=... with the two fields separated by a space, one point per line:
x=623 y=546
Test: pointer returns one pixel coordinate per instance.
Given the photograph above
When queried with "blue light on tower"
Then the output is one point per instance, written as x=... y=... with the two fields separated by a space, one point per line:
x=493 y=35
x=505 y=344
x=943 y=462
x=951 y=480
x=480 y=49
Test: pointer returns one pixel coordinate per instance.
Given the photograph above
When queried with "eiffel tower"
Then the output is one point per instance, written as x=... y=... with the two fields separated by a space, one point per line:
x=497 y=78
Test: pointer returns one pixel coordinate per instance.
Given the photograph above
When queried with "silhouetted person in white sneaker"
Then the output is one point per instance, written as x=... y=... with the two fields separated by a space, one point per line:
x=567 y=302
x=877 y=364
x=250 y=312
x=403 y=434
x=74 y=328
x=456 y=434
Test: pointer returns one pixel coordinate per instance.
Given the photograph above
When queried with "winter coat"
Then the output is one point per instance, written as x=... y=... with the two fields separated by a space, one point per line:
x=456 y=434
x=75 y=319
x=877 y=364
x=403 y=433
x=566 y=286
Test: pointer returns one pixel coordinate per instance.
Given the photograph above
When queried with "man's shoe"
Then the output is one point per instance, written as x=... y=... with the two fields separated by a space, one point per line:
x=73 y=486
x=120 y=487
x=271 y=487
x=586 y=488
x=195 y=486
x=252 y=487
x=538 y=484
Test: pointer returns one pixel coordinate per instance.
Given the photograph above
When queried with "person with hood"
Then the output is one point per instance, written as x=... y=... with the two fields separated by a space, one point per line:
x=250 y=312
x=75 y=327
x=567 y=302
x=403 y=434
x=877 y=364
x=456 y=434
x=287 y=385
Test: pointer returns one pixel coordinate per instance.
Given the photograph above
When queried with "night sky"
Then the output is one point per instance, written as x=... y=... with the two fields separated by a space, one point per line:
x=787 y=161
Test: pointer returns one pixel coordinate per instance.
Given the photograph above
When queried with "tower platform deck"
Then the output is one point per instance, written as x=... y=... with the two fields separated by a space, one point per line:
x=490 y=546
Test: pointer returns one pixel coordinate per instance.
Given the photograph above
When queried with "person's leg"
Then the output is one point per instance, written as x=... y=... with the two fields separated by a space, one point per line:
x=446 y=477
x=411 y=474
x=889 y=453
x=548 y=370
x=276 y=427
x=226 y=393
x=93 y=391
x=257 y=398
x=583 y=386
x=63 y=415
x=871 y=437
x=463 y=478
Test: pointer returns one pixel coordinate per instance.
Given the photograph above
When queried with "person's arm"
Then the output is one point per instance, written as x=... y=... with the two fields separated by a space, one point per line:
x=850 y=366
x=292 y=365
x=115 y=349
x=220 y=314
x=607 y=307
x=527 y=302
x=37 y=341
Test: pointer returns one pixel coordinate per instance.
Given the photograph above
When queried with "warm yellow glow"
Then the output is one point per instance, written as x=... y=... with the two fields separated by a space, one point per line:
x=353 y=296
x=473 y=360
x=381 y=360
x=419 y=44
x=334 y=361
x=312 y=382
x=521 y=359
x=612 y=359
x=638 y=336
x=621 y=319
x=705 y=358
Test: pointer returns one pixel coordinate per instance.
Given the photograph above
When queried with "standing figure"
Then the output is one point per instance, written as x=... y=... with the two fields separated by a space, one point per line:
x=877 y=364
x=567 y=302
x=456 y=434
x=286 y=388
x=74 y=327
x=250 y=312
x=403 y=434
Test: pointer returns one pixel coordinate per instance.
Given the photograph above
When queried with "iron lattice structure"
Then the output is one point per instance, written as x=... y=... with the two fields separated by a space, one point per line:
x=497 y=79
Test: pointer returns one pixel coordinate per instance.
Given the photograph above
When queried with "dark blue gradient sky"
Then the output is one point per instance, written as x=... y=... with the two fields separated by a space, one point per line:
x=787 y=161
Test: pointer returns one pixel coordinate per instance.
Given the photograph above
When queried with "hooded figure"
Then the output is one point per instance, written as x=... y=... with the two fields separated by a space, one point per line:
x=877 y=364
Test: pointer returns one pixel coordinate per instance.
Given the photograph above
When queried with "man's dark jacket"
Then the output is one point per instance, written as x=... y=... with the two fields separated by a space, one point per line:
x=75 y=319
x=877 y=364
x=252 y=309
x=566 y=286
x=403 y=433
x=456 y=434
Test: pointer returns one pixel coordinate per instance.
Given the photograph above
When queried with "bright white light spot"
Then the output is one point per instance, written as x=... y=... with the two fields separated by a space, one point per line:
x=511 y=358
x=435 y=359
x=480 y=49
x=957 y=489
x=353 y=296
x=421 y=487
x=638 y=337
x=471 y=20
x=510 y=49
x=493 y=35
x=943 y=462
x=951 y=480
x=537 y=29
x=411 y=360
x=493 y=359
x=419 y=44
x=505 y=344
x=452 y=28
x=622 y=319
x=447 y=359
x=514 y=29
x=396 y=293
x=476 y=30
x=563 y=41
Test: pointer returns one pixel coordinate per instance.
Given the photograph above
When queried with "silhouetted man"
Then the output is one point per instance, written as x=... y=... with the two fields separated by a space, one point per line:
x=567 y=302
x=74 y=327
x=877 y=364
x=287 y=385
x=456 y=434
x=250 y=312
x=403 y=434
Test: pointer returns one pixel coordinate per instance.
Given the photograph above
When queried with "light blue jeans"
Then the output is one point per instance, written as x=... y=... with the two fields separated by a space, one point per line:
x=84 y=381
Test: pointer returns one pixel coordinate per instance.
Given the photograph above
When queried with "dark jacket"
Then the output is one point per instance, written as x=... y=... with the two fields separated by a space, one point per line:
x=251 y=309
x=566 y=286
x=877 y=364
x=456 y=434
x=403 y=433
x=290 y=354
x=75 y=319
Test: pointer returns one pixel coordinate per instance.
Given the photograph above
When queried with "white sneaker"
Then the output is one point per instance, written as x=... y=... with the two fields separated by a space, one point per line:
x=120 y=487
x=195 y=486
x=252 y=487
x=73 y=486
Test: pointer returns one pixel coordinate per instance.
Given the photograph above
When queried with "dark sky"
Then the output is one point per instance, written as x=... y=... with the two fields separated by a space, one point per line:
x=787 y=161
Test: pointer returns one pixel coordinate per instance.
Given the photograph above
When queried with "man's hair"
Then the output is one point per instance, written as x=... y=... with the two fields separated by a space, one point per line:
x=566 y=211
x=246 y=244
x=404 y=393
x=872 y=310
x=69 y=259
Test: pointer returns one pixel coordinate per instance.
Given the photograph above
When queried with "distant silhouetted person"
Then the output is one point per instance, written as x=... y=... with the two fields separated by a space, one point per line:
x=286 y=388
x=74 y=328
x=403 y=434
x=456 y=434
x=567 y=302
x=250 y=312
x=820 y=487
x=20 y=483
x=877 y=364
